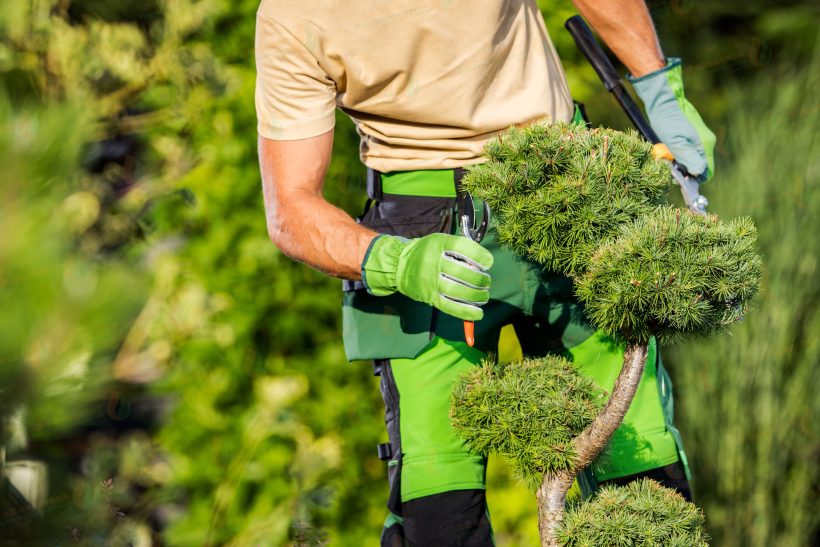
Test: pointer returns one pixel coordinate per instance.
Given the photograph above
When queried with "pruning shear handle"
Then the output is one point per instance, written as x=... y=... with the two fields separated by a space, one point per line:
x=593 y=52
x=476 y=233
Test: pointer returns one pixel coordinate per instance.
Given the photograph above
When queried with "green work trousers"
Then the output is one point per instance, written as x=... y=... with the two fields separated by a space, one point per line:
x=420 y=353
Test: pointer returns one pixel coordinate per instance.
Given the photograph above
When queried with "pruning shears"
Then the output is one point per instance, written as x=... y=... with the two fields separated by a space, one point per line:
x=476 y=233
x=591 y=49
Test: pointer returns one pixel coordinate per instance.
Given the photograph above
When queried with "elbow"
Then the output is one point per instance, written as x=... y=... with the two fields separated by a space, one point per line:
x=275 y=220
x=276 y=225
x=282 y=232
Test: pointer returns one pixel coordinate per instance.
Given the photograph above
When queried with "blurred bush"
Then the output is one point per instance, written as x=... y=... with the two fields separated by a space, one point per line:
x=65 y=310
x=747 y=404
x=240 y=341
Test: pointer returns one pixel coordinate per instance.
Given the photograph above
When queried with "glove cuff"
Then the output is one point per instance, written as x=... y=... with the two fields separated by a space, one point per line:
x=672 y=63
x=380 y=263
x=663 y=84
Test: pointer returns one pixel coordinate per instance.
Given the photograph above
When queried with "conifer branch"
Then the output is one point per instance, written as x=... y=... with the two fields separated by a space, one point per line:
x=594 y=438
x=552 y=493
x=588 y=204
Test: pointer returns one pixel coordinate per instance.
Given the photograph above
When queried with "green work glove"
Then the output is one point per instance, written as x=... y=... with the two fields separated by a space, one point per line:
x=445 y=271
x=675 y=120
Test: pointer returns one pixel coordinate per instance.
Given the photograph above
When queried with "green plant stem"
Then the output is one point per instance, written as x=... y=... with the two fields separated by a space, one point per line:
x=552 y=493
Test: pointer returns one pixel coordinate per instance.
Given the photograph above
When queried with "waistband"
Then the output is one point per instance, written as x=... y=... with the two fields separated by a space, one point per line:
x=442 y=183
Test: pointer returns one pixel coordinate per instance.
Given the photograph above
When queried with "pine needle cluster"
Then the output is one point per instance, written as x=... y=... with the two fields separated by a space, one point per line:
x=527 y=411
x=672 y=273
x=588 y=203
x=557 y=190
x=640 y=513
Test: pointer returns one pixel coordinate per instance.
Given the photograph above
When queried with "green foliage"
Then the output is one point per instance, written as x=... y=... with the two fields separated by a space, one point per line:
x=640 y=513
x=672 y=273
x=748 y=405
x=226 y=318
x=556 y=191
x=586 y=203
x=527 y=411
x=64 y=311
x=240 y=341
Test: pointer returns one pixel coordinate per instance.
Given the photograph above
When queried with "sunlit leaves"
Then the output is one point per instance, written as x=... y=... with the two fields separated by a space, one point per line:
x=672 y=273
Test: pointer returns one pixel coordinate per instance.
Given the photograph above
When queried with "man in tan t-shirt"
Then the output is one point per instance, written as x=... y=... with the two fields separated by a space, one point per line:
x=427 y=83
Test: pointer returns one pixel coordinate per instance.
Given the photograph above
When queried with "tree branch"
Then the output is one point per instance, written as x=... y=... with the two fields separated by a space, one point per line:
x=595 y=437
x=552 y=493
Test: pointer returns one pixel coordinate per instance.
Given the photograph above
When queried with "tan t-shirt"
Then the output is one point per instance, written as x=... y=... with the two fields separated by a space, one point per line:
x=427 y=82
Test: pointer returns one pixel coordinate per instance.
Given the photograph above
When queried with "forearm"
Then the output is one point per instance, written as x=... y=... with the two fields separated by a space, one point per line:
x=309 y=229
x=300 y=221
x=626 y=27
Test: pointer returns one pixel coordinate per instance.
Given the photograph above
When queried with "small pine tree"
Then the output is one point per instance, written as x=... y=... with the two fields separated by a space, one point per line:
x=588 y=203
x=671 y=273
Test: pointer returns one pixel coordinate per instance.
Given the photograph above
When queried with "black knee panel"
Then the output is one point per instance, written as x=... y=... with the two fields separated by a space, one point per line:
x=393 y=536
x=671 y=476
x=450 y=519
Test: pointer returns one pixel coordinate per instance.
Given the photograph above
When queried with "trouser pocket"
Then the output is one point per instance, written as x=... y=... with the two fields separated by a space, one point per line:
x=394 y=326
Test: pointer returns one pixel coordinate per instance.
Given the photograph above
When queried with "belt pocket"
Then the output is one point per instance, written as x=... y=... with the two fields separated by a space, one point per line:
x=394 y=326
x=409 y=216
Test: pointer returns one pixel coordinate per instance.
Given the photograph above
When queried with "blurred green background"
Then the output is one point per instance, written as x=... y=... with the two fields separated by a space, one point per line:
x=172 y=378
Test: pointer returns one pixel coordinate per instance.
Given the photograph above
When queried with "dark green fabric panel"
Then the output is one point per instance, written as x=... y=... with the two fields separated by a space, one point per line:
x=381 y=327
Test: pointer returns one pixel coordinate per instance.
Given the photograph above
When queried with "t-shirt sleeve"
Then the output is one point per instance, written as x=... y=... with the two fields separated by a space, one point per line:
x=295 y=98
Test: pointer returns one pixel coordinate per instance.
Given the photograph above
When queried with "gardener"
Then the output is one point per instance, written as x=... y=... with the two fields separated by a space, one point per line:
x=427 y=83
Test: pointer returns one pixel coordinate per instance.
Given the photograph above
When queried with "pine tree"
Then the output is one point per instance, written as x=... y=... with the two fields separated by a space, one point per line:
x=589 y=203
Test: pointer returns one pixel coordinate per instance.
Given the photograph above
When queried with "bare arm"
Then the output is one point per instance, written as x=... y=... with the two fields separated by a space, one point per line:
x=626 y=27
x=300 y=221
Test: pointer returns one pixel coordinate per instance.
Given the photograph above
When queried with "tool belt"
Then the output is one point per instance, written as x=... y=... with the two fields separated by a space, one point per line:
x=409 y=204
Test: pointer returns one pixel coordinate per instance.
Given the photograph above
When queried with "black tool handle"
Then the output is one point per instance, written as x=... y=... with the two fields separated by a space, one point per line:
x=591 y=49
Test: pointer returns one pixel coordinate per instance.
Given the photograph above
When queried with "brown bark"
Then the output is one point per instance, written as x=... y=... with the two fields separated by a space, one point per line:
x=552 y=493
x=551 y=496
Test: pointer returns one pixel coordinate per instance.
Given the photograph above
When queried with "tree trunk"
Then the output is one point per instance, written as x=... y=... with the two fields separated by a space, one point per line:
x=551 y=496
x=552 y=493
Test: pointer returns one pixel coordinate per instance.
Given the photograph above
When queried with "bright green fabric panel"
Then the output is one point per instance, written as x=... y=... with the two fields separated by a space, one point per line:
x=578 y=116
x=642 y=442
x=434 y=458
x=430 y=182
x=668 y=403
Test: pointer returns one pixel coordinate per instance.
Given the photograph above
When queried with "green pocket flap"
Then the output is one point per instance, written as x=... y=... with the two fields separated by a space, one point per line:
x=384 y=327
